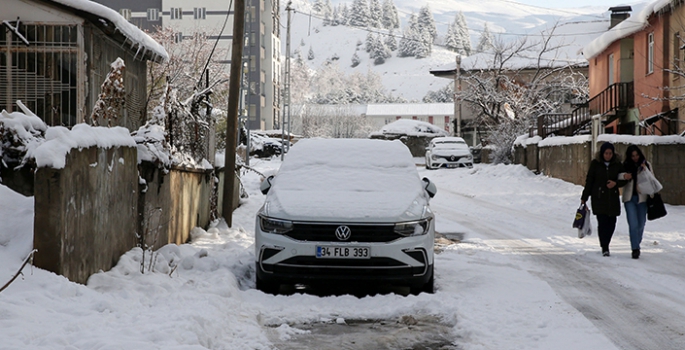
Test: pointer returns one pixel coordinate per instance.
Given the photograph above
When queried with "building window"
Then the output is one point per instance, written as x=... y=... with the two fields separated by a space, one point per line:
x=45 y=74
x=398 y=118
x=176 y=13
x=126 y=13
x=153 y=15
x=650 y=53
x=200 y=13
x=430 y=119
x=447 y=123
x=413 y=117
x=178 y=37
x=610 y=69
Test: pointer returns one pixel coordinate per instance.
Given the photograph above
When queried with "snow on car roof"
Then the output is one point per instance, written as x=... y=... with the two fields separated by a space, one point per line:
x=448 y=139
x=412 y=127
x=359 y=179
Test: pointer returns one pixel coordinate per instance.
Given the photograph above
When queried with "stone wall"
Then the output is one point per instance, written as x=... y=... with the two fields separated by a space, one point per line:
x=85 y=213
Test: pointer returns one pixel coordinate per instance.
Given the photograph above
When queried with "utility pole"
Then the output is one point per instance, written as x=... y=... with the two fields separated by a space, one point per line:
x=457 y=97
x=233 y=104
x=286 y=92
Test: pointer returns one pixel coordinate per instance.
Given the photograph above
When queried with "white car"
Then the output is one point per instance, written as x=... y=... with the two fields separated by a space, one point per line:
x=448 y=152
x=346 y=211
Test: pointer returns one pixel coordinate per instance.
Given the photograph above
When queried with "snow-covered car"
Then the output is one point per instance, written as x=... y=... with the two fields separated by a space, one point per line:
x=448 y=152
x=346 y=211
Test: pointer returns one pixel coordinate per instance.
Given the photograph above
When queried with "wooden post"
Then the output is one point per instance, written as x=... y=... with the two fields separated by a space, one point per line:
x=232 y=113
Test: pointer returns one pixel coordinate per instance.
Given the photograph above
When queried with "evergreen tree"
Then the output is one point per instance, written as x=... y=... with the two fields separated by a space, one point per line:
x=424 y=45
x=427 y=23
x=344 y=15
x=375 y=14
x=390 y=18
x=486 y=40
x=452 y=39
x=317 y=6
x=370 y=40
x=359 y=13
x=335 y=20
x=355 y=60
x=408 y=42
x=390 y=41
x=463 y=32
x=379 y=52
x=310 y=55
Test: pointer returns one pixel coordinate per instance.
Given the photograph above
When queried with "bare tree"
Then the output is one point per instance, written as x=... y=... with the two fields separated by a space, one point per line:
x=521 y=80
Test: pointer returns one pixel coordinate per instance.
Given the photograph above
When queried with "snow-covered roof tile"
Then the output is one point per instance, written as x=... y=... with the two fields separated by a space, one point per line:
x=628 y=27
x=130 y=31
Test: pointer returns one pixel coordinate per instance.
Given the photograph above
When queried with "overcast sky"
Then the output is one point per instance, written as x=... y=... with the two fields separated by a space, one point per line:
x=573 y=3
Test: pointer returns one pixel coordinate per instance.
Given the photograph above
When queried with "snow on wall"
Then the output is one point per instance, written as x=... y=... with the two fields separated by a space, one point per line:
x=59 y=141
x=129 y=30
x=626 y=28
x=642 y=140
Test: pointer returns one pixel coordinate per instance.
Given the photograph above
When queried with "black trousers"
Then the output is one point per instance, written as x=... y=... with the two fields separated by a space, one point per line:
x=606 y=224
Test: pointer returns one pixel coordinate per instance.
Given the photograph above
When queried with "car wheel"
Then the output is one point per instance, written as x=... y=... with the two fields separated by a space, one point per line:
x=428 y=287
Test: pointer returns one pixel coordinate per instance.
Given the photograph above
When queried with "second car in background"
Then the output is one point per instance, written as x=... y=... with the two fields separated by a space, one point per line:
x=448 y=152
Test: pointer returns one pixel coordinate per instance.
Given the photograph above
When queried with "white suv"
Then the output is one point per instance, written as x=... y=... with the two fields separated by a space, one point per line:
x=348 y=211
x=448 y=152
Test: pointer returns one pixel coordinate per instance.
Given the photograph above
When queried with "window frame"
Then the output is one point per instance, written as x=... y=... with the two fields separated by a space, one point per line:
x=650 y=53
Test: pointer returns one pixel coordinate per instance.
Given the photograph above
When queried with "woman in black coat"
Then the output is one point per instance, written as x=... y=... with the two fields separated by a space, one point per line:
x=601 y=186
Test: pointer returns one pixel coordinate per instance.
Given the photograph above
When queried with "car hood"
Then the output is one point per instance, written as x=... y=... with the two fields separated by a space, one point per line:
x=385 y=199
x=451 y=151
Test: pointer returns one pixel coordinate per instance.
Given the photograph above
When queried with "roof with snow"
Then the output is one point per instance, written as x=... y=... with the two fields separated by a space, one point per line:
x=628 y=27
x=380 y=109
x=111 y=22
x=411 y=127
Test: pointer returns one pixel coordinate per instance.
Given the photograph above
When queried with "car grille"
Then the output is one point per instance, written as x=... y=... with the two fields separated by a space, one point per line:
x=326 y=233
x=452 y=158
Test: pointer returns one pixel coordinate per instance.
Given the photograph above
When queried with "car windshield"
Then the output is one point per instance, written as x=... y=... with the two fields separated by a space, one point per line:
x=451 y=144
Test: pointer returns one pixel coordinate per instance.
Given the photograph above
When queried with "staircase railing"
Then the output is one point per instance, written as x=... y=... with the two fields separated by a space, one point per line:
x=615 y=97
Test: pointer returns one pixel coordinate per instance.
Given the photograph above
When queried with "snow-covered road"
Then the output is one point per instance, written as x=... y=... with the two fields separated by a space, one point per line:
x=519 y=279
x=638 y=304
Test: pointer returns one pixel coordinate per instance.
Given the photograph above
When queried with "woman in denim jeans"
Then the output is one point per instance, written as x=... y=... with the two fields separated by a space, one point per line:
x=634 y=201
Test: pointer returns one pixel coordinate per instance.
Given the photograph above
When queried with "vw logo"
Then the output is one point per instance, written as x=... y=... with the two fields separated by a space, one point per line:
x=343 y=233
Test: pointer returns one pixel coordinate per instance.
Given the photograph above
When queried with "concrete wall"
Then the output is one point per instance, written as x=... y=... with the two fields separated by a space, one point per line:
x=571 y=163
x=85 y=213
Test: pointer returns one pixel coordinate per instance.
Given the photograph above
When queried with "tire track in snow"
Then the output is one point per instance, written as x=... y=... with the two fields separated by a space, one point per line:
x=646 y=318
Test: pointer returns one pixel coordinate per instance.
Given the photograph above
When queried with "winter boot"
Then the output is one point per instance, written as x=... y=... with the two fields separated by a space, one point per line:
x=636 y=253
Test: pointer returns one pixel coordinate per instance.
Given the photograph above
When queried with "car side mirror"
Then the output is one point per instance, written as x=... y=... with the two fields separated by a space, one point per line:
x=266 y=184
x=429 y=187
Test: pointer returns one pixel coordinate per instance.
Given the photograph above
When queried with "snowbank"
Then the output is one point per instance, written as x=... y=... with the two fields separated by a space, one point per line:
x=643 y=140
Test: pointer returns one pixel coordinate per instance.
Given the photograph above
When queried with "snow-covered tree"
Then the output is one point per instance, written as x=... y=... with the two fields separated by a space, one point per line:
x=486 y=40
x=445 y=94
x=463 y=33
x=317 y=6
x=355 y=60
x=344 y=14
x=390 y=18
x=331 y=86
x=409 y=41
x=379 y=52
x=370 y=39
x=375 y=14
x=507 y=90
x=359 y=13
x=426 y=22
x=424 y=45
x=299 y=80
x=310 y=55
x=391 y=41
x=457 y=38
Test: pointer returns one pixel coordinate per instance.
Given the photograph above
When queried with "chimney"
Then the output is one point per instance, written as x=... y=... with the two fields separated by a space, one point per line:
x=619 y=14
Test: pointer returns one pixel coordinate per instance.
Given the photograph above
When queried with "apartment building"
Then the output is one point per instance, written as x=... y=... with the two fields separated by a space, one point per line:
x=262 y=43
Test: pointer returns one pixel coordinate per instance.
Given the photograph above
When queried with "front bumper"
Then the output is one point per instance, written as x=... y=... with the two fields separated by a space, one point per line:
x=407 y=261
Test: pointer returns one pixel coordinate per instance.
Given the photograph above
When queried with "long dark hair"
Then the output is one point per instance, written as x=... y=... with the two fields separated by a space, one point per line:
x=628 y=163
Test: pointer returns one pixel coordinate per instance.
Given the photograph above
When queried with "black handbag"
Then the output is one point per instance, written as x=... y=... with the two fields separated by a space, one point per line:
x=655 y=207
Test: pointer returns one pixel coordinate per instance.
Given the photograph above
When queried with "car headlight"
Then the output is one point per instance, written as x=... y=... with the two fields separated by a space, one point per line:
x=434 y=157
x=275 y=225
x=413 y=228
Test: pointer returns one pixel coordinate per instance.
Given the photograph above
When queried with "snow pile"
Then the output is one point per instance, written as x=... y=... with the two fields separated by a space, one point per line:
x=59 y=141
x=643 y=139
x=19 y=132
x=412 y=128
x=151 y=140
x=130 y=31
x=626 y=28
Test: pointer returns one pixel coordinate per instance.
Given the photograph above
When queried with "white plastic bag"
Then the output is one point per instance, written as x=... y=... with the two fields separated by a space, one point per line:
x=587 y=226
x=647 y=183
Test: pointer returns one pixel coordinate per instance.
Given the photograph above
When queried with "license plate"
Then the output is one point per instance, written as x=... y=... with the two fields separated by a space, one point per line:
x=343 y=252
x=452 y=165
